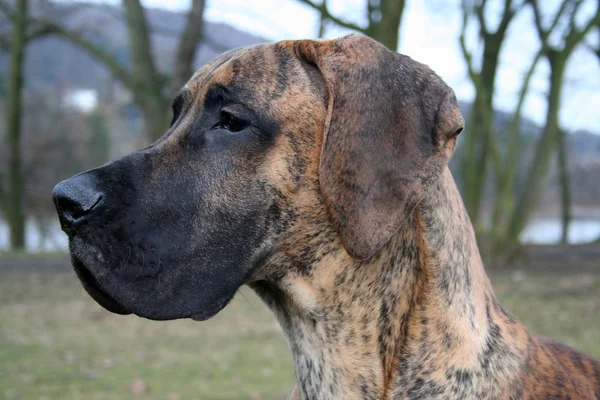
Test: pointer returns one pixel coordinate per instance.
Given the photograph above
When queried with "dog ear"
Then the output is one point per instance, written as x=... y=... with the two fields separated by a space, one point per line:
x=390 y=129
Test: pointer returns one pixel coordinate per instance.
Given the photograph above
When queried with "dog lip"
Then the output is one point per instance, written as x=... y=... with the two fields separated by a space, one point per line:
x=212 y=310
x=90 y=284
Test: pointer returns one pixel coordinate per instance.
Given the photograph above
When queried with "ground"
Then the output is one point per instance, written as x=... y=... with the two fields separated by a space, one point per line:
x=56 y=343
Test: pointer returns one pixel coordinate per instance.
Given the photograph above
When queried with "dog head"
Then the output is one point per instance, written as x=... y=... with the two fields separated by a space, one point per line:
x=268 y=144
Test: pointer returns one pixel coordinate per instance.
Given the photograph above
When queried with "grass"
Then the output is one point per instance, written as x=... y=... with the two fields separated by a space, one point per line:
x=56 y=343
x=564 y=307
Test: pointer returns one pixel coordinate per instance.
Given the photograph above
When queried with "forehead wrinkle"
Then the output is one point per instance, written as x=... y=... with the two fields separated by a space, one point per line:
x=198 y=87
x=207 y=71
x=223 y=73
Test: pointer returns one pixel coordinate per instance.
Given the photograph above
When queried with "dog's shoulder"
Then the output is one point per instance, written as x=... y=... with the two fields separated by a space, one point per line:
x=557 y=369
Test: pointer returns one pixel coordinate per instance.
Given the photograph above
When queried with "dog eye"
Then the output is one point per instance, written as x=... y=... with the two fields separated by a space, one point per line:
x=231 y=123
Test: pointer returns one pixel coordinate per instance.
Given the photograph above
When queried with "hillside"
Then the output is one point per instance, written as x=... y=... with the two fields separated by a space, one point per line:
x=52 y=62
x=56 y=66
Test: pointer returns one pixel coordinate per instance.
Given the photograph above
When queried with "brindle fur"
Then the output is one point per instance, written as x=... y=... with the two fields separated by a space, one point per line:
x=412 y=315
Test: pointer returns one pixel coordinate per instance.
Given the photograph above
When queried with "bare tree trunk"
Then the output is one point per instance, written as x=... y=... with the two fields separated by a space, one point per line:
x=148 y=82
x=489 y=68
x=384 y=21
x=188 y=43
x=557 y=58
x=504 y=204
x=140 y=44
x=546 y=144
x=16 y=214
x=475 y=158
x=480 y=146
x=564 y=186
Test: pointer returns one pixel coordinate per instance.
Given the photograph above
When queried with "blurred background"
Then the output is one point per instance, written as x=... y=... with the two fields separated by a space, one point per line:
x=85 y=82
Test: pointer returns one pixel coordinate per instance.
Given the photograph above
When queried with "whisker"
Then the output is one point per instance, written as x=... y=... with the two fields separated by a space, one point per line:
x=240 y=292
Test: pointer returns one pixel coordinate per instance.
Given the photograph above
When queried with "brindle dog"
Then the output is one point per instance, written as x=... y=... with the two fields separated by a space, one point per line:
x=316 y=173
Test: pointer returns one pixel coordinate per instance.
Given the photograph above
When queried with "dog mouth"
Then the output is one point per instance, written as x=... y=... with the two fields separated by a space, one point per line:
x=147 y=284
x=95 y=290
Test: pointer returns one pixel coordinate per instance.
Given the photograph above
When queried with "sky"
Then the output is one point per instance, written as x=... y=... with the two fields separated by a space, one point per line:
x=429 y=34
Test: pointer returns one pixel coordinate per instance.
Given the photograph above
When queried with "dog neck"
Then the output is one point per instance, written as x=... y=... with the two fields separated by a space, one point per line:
x=391 y=326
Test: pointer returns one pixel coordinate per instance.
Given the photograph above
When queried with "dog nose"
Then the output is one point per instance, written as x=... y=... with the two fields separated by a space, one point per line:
x=74 y=199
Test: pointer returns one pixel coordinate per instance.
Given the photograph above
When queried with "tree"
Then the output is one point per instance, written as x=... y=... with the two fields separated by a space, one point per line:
x=505 y=176
x=151 y=90
x=12 y=193
x=557 y=57
x=480 y=145
x=383 y=16
x=14 y=204
x=504 y=201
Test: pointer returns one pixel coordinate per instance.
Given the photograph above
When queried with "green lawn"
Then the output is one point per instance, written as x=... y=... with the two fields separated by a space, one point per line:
x=56 y=343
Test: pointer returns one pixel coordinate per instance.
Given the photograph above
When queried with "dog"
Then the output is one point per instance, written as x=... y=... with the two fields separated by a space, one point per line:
x=316 y=173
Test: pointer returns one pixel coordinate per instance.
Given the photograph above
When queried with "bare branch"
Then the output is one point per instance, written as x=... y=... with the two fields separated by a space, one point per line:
x=574 y=14
x=575 y=36
x=322 y=8
x=463 y=45
x=323 y=20
x=34 y=34
x=479 y=11
x=39 y=32
x=513 y=140
x=543 y=33
x=162 y=30
x=108 y=60
x=507 y=16
x=559 y=14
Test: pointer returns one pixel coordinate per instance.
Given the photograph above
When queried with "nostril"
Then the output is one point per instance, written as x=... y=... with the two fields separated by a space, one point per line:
x=74 y=199
x=96 y=202
x=75 y=208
